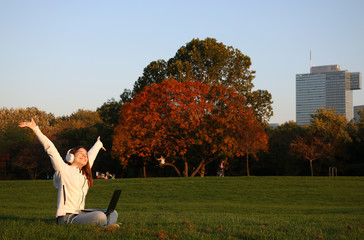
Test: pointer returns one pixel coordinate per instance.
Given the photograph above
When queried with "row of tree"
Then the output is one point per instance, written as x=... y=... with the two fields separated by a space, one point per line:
x=21 y=154
x=183 y=117
x=134 y=151
x=330 y=141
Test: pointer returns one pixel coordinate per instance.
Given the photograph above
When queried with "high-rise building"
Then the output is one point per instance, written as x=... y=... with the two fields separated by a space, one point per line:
x=325 y=86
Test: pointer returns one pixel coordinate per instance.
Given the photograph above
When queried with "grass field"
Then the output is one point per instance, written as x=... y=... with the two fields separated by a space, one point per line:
x=196 y=208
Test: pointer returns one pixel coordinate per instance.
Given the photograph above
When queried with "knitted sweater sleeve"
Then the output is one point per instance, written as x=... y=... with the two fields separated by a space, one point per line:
x=50 y=149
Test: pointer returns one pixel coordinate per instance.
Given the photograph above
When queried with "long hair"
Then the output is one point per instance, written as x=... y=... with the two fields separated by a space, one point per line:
x=86 y=170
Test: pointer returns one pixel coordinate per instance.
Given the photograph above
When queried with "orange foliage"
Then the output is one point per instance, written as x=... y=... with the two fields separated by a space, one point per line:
x=161 y=119
x=170 y=117
x=233 y=126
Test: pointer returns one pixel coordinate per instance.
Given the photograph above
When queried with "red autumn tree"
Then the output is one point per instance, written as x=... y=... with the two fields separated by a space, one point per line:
x=310 y=148
x=230 y=130
x=161 y=119
x=172 y=119
x=250 y=140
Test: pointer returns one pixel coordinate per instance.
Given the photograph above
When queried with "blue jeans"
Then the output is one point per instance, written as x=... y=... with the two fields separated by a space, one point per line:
x=95 y=218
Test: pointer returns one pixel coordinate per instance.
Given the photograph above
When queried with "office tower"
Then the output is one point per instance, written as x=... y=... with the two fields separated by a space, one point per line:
x=325 y=86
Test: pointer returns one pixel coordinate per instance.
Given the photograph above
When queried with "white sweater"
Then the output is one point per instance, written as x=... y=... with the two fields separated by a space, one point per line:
x=72 y=185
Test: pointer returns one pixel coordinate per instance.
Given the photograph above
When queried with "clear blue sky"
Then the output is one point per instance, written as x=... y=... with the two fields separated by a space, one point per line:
x=61 y=56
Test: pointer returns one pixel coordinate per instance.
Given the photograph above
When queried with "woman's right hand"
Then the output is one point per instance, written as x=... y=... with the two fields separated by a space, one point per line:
x=30 y=124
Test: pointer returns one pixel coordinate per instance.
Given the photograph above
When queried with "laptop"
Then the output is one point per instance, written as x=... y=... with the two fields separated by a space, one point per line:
x=112 y=205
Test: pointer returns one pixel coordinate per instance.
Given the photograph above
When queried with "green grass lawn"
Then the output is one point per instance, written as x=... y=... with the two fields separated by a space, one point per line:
x=196 y=208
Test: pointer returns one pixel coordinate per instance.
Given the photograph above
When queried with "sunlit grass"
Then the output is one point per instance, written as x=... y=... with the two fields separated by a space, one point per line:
x=196 y=208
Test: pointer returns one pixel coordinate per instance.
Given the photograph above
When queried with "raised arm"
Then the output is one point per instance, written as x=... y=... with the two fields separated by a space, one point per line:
x=92 y=153
x=49 y=147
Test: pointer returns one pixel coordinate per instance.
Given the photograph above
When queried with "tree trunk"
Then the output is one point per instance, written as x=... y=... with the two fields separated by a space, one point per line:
x=201 y=165
x=175 y=168
x=247 y=165
x=144 y=170
x=203 y=169
x=311 y=168
x=32 y=174
x=186 y=168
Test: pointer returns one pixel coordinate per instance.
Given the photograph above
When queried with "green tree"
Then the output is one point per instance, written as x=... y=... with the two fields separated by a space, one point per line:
x=330 y=125
x=109 y=112
x=19 y=144
x=354 y=150
x=11 y=117
x=211 y=63
x=331 y=128
x=278 y=158
x=80 y=128
x=155 y=72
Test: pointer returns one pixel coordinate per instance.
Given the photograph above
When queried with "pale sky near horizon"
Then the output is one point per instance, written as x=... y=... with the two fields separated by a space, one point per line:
x=61 y=56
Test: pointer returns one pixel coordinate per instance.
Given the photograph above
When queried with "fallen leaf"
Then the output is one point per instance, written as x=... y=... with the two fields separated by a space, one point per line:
x=162 y=234
x=104 y=229
x=110 y=230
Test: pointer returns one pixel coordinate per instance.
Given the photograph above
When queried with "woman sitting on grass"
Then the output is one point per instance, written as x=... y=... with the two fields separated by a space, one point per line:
x=73 y=178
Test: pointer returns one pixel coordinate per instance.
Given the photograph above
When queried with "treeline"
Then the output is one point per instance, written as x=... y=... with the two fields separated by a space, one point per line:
x=23 y=157
x=328 y=142
x=331 y=142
